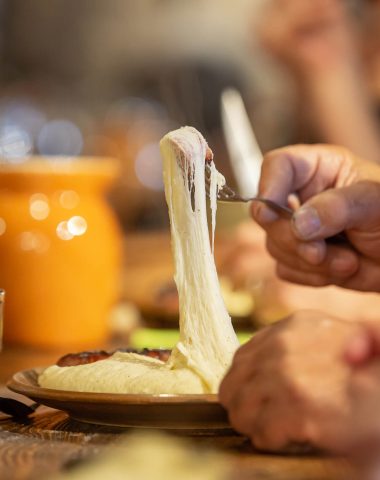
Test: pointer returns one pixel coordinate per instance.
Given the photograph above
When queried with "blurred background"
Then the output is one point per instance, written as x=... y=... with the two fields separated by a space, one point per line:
x=110 y=78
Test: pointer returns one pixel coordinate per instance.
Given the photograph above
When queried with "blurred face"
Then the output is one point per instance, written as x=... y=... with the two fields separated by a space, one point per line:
x=371 y=45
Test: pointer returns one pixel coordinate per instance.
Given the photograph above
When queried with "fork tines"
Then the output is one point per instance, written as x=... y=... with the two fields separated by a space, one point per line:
x=225 y=193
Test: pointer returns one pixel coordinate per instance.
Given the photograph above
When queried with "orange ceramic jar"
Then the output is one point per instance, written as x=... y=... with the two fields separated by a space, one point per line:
x=59 y=251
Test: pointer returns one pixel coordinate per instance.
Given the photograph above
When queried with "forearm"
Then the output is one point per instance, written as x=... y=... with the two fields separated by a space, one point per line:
x=340 y=109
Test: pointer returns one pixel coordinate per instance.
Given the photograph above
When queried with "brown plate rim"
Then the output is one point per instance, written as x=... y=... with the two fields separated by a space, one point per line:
x=19 y=384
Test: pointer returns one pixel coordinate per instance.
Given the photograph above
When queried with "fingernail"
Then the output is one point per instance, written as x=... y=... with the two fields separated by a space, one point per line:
x=313 y=252
x=306 y=222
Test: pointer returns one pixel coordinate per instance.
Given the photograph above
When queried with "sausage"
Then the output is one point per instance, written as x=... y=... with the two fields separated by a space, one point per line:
x=91 y=356
x=72 y=359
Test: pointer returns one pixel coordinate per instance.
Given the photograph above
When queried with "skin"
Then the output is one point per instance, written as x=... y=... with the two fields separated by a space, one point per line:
x=320 y=45
x=309 y=36
x=281 y=390
x=338 y=192
x=312 y=377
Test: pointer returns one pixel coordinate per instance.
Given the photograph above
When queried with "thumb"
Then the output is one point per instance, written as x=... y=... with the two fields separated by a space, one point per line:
x=332 y=211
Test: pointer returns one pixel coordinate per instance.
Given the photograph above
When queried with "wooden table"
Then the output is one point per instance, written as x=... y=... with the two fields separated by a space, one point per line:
x=51 y=441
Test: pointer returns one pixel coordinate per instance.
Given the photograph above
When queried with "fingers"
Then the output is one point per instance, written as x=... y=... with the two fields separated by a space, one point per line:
x=337 y=193
x=366 y=278
x=276 y=425
x=307 y=170
x=337 y=263
x=333 y=211
x=244 y=366
x=255 y=410
x=302 y=278
x=243 y=407
x=310 y=257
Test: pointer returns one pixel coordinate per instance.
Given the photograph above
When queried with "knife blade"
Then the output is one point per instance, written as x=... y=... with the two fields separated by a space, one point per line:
x=244 y=151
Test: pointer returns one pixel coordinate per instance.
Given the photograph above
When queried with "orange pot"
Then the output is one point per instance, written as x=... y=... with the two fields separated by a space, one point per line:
x=60 y=251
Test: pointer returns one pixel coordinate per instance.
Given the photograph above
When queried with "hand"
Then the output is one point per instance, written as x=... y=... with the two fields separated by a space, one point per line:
x=291 y=384
x=338 y=192
x=308 y=36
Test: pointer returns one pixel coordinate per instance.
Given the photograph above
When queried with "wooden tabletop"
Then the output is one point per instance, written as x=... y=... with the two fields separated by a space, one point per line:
x=50 y=441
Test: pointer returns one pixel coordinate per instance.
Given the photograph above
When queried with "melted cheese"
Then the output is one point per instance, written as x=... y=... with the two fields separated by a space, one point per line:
x=207 y=340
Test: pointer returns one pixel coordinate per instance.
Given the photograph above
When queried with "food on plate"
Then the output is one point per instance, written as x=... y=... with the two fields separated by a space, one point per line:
x=207 y=340
x=92 y=356
x=239 y=302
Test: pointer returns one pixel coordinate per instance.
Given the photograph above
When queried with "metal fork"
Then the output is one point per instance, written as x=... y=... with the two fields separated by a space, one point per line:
x=226 y=194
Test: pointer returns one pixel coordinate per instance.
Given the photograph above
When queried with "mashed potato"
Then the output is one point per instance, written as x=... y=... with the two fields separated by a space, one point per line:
x=207 y=340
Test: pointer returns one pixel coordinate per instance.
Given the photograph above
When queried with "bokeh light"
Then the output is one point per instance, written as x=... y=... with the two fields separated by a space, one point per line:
x=34 y=242
x=21 y=113
x=3 y=226
x=62 y=231
x=69 y=199
x=39 y=206
x=60 y=137
x=15 y=143
x=77 y=226
x=148 y=167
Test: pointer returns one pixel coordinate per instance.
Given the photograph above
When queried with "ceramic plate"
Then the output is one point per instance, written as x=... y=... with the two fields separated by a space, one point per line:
x=181 y=412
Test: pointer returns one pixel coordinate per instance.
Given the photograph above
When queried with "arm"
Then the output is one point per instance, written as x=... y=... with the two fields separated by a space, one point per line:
x=317 y=41
x=341 y=110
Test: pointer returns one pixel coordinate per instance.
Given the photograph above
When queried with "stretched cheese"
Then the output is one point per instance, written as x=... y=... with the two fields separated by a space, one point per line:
x=207 y=340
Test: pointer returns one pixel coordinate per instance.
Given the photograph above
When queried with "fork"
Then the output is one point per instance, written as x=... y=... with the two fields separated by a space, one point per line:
x=226 y=195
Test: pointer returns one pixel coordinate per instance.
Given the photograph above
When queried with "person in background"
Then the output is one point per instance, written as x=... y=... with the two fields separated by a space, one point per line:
x=334 y=57
x=313 y=377
x=331 y=55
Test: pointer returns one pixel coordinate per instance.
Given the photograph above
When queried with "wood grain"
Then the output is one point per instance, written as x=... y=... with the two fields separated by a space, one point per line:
x=51 y=441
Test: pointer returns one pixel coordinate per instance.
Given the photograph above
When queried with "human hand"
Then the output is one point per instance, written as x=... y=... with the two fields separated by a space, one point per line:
x=338 y=192
x=308 y=36
x=291 y=385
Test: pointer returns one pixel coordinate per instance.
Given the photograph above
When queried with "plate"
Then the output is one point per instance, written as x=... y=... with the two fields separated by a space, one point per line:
x=159 y=308
x=178 y=412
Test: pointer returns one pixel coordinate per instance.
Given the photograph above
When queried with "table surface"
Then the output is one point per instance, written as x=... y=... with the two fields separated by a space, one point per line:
x=50 y=440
